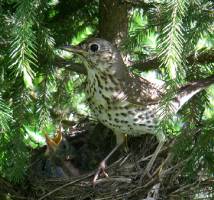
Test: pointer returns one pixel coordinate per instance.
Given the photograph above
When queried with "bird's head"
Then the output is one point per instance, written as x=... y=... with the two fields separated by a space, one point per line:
x=58 y=147
x=99 y=54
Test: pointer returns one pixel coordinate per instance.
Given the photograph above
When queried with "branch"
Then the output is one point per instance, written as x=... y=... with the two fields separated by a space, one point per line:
x=75 y=67
x=202 y=58
x=146 y=65
x=142 y=4
x=66 y=185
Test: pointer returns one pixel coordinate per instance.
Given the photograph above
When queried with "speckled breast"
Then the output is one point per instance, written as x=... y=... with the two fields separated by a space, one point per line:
x=120 y=116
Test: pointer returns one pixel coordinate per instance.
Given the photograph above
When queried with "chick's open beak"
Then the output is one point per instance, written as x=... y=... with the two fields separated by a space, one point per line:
x=53 y=143
x=75 y=49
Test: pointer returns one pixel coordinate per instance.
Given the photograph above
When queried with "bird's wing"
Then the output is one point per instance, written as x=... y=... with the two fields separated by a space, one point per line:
x=140 y=91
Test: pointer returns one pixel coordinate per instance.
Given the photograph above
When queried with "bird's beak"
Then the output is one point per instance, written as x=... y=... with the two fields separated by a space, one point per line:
x=75 y=49
x=52 y=143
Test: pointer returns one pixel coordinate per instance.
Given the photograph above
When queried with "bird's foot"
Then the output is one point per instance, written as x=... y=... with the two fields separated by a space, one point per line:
x=126 y=146
x=100 y=171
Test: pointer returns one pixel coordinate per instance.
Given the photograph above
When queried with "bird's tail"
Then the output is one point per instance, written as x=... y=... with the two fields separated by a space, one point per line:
x=188 y=91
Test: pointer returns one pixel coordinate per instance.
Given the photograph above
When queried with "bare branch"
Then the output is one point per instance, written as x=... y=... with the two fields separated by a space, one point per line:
x=142 y=4
x=204 y=57
x=75 y=67
x=146 y=65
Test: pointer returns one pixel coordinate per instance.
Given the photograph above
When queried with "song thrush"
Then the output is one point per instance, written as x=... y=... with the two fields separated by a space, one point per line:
x=124 y=102
x=61 y=153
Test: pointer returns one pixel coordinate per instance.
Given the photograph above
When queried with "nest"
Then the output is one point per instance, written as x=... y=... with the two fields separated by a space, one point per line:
x=126 y=170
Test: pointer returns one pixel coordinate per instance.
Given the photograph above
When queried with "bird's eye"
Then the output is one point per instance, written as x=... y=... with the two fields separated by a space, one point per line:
x=94 y=47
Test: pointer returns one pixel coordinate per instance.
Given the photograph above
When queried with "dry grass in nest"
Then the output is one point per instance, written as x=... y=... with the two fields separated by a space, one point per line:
x=167 y=179
x=125 y=179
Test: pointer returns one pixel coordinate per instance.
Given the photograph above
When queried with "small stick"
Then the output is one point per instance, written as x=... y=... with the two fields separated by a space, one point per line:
x=65 y=185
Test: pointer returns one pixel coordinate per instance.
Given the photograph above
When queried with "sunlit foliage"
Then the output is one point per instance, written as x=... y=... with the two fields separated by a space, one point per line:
x=36 y=94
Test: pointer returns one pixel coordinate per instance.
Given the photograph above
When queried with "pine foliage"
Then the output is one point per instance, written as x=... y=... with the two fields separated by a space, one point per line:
x=30 y=93
x=37 y=94
x=5 y=115
x=171 y=38
x=23 y=45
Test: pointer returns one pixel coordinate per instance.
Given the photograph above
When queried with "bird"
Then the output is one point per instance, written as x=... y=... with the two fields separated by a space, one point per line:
x=126 y=103
x=61 y=154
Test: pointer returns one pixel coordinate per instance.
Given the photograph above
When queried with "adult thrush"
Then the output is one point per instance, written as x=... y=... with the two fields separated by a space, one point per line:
x=124 y=102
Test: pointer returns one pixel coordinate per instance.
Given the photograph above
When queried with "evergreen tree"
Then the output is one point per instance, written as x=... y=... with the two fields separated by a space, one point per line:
x=171 y=38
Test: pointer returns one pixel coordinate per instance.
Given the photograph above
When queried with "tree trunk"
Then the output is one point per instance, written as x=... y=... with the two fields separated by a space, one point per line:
x=113 y=20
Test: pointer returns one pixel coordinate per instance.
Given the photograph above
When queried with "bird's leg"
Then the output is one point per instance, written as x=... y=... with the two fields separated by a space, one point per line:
x=126 y=143
x=161 y=140
x=154 y=156
x=102 y=165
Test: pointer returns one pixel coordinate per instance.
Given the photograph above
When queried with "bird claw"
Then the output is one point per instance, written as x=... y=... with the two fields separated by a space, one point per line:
x=100 y=171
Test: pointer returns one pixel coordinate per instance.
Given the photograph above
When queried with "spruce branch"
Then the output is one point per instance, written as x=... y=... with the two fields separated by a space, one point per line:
x=153 y=63
x=171 y=38
x=5 y=115
x=23 y=46
x=70 y=65
x=202 y=58
x=142 y=4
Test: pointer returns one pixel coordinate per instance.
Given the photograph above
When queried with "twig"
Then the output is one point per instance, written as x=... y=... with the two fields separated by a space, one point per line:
x=76 y=181
x=125 y=159
x=65 y=185
x=17 y=197
x=76 y=67
x=149 y=156
x=182 y=188
x=119 y=179
x=204 y=57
